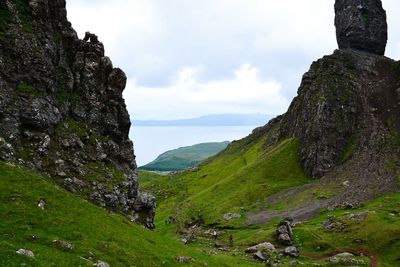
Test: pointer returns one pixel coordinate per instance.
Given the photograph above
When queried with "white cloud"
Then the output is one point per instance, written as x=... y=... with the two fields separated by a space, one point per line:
x=154 y=41
x=189 y=96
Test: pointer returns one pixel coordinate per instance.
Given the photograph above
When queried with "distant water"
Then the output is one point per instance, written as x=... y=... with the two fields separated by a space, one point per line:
x=149 y=142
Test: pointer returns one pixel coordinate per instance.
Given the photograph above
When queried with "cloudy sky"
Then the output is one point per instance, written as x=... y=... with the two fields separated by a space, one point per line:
x=186 y=58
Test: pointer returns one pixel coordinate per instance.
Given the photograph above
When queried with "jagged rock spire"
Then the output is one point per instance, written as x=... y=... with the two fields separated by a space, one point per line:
x=361 y=25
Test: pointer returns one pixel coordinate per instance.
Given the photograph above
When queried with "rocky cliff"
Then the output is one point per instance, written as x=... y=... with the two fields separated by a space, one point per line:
x=347 y=117
x=61 y=108
x=349 y=99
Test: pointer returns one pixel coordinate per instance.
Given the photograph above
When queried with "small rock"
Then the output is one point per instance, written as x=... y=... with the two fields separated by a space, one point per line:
x=41 y=203
x=345 y=258
x=184 y=259
x=61 y=174
x=64 y=245
x=261 y=256
x=184 y=241
x=101 y=264
x=292 y=251
x=358 y=217
x=230 y=216
x=25 y=252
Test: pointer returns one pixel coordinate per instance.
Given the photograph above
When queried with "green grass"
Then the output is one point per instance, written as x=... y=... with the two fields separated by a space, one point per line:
x=93 y=231
x=242 y=176
x=379 y=232
x=184 y=157
x=235 y=181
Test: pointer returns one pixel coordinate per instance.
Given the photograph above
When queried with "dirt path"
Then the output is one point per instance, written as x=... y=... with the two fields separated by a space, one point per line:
x=365 y=252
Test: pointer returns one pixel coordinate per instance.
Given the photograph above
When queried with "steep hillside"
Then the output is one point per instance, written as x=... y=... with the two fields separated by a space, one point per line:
x=94 y=233
x=184 y=157
x=61 y=107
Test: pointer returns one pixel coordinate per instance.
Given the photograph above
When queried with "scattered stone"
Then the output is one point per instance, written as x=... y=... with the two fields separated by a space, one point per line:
x=184 y=241
x=41 y=203
x=184 y=259
x=361 y=25
x=61 y=174
x=292 y=251
x=25 y=252
x=266 y=246
x=345 y=258
x=358 y=217
x=61 y=244
x=101 y=264
x=230 y=216
x=284 y=232
x=346 y=183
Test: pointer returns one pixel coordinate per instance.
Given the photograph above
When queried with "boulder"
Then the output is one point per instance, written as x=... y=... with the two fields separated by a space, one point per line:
x=345 y=258
x=101 y=264
x=25 y=252
x=292 y=251
x=41 y=203
x=284 y=232
x=63 y=245
x=361 y=25
x=261 y=256
x=266 y=246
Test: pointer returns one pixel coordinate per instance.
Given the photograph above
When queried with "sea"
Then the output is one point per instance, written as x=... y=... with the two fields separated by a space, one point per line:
x=151 y=141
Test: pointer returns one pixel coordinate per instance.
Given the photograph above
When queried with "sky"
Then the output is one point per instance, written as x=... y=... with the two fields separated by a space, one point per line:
x=187 y=58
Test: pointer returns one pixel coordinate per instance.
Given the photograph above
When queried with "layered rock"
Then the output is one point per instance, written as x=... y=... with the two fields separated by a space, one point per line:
x=361 y=25
x=61 y=107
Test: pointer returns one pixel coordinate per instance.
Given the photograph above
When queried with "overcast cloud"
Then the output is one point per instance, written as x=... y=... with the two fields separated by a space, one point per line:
x=186 y=58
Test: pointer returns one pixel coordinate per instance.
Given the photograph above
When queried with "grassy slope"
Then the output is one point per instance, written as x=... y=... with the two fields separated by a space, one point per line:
x=92 y=230
x=234 y=181
x=239 y=179
x=184 y=157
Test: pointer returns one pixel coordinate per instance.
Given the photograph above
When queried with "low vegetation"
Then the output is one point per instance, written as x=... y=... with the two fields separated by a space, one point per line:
x=184 y=157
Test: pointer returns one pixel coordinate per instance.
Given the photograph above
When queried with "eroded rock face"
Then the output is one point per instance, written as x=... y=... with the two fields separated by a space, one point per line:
x=361 y=25
x=61 y=107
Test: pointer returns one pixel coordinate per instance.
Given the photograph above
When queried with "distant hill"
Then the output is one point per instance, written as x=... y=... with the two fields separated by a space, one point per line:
x=211 y=120
x=184 y=157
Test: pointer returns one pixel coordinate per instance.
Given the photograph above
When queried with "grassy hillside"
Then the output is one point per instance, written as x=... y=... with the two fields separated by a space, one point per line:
x=235 y=181
x=184 y=157
x=95 y=233
x=239 y=179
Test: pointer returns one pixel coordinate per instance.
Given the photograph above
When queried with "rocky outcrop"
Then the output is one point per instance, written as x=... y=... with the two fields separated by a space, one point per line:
x=284 y=232
x=361 y=25
x=61 y=108
x=346 y=100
